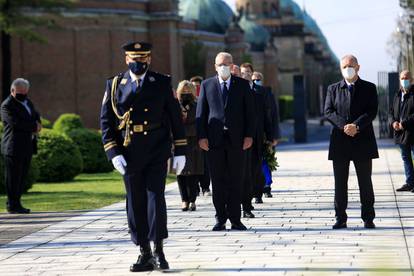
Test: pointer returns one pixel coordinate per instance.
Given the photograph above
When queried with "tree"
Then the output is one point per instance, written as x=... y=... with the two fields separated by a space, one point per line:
x=16 y=20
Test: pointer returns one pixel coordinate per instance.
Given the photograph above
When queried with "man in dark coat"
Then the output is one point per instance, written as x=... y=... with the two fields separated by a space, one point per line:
x=351 y=106
x=21 y=124
x=402 y=122
x=225 y=129
x=139 y=116
x=254 y=179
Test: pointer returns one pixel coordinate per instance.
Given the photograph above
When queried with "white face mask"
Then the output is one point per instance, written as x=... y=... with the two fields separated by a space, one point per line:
x=224 y=71
x=348 y=73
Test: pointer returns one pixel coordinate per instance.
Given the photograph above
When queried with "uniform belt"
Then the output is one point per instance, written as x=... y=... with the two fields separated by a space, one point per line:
x=142 y=128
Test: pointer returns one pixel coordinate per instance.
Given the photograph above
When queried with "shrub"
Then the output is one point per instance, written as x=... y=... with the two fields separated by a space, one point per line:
x=58 y=157
x=91 y=149
x=46 y=123
x=285 y=107
x=67 y=122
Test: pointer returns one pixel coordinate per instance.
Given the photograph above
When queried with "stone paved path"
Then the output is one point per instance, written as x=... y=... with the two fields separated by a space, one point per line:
x=291 y=235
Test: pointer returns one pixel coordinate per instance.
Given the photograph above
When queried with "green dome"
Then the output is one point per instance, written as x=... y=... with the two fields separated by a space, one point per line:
x=290 y=6
x=210 y=15
x=254 y=34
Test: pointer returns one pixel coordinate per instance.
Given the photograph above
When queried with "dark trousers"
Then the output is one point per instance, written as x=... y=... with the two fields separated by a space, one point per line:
x=258 y=177
x=226 y=170
x=187 y=185
x=248 y=182
x=146 y=207
x=363 y=170
x=205 y=178
x=406 y=155
x=16 y=170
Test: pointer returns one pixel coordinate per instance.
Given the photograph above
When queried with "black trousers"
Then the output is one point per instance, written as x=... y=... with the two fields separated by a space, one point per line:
x=205 y=178
x=366 y=192
x=16 y=170
x=258 y=179
x=248 y=182
x=146 y=207
x=187 y=185
x=226 y=170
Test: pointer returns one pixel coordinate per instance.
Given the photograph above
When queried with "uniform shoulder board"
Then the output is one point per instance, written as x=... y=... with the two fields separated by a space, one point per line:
x=161 y=76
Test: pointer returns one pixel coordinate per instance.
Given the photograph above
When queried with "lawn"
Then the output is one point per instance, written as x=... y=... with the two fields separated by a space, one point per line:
x=85 y=192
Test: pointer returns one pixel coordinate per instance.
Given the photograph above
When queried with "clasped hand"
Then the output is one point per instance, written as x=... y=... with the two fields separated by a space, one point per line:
x=350 y=130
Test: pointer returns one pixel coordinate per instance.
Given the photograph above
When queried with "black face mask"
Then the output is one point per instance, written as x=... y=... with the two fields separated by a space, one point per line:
x=187 y=99
x=21 y=97
x=137 y=67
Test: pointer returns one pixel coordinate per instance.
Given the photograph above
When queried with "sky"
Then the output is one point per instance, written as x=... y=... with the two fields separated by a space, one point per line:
x=359 y=27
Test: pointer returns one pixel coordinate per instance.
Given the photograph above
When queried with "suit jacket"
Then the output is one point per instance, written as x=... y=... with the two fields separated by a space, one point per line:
x=264 y=128
x=19 y=126
x=274 y=112
x=237 y=114
x=360 y=109
x=404 y=115
x=153 y=105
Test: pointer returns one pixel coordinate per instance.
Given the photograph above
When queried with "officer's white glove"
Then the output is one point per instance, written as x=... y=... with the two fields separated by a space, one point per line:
x=179 y=163
x=119 y=164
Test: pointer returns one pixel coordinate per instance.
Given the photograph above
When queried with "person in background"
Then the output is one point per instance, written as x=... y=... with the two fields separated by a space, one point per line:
x=235 y=70
x=204 y=180
x=194 y=166
x=274 y=115
x=21 y=124
x=402 y=122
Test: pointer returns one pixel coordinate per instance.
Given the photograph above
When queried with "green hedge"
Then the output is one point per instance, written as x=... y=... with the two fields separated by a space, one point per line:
x=285 y=107
x=58 y=157
x=90 y=146
x=46 y=123
x=68 y=122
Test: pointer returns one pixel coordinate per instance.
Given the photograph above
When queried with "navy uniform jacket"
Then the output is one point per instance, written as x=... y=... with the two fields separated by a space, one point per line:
x=155 y=114
x=19 y=126
x=405 y=115
x=237 y=114
x=274 y=112
x=361 y=110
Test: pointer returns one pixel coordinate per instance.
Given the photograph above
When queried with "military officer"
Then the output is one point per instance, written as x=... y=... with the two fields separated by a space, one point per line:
x=139 y=113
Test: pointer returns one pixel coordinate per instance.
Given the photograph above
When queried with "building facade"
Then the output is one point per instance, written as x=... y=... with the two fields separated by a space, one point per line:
x=69 y=72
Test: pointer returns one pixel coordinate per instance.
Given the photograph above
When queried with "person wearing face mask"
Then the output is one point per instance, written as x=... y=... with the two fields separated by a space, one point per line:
x=235 y=70
x=225 y=129
x=351 y=105
x=21 y=124
x=402 y=122
x=194 y=165
x=257 y=78
x=254 y=178
x=139 y=115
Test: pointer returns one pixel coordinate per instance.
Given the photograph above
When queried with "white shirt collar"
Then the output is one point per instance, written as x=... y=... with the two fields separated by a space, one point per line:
x=135 y=77
x=226 y=81
x=349 y=83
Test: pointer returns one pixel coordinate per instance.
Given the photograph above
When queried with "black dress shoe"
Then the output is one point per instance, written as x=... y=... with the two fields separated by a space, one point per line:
x=18 y=210
x=258 y=200
x=238 y=226
x=159 y=256
x=339 y=225
x=219 y=226
x=369 y=224
x=248 y=214
x=405 y=188
x=144 y=263
x=268 y=194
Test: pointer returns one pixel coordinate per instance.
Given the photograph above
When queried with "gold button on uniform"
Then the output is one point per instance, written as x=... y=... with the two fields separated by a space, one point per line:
x=130 y=109
x=145 y=133
x=131 y=132
x=146 y=110
x=131 y=122
x=145 y=123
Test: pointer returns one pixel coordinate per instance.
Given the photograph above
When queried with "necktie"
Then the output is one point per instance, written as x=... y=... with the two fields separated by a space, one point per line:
x=136 y=86
x=351 y=90
x=225 y=92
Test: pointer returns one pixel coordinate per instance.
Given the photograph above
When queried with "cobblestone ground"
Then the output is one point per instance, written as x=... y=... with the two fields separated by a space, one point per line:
x=291 y=234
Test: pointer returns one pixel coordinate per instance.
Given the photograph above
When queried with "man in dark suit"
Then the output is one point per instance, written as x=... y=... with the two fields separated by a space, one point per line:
x=402 y=122
x=351 y=106
x=21 y=124
x=254 y=179
x=225 y=129
x=274 y=115
x=139 y=116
